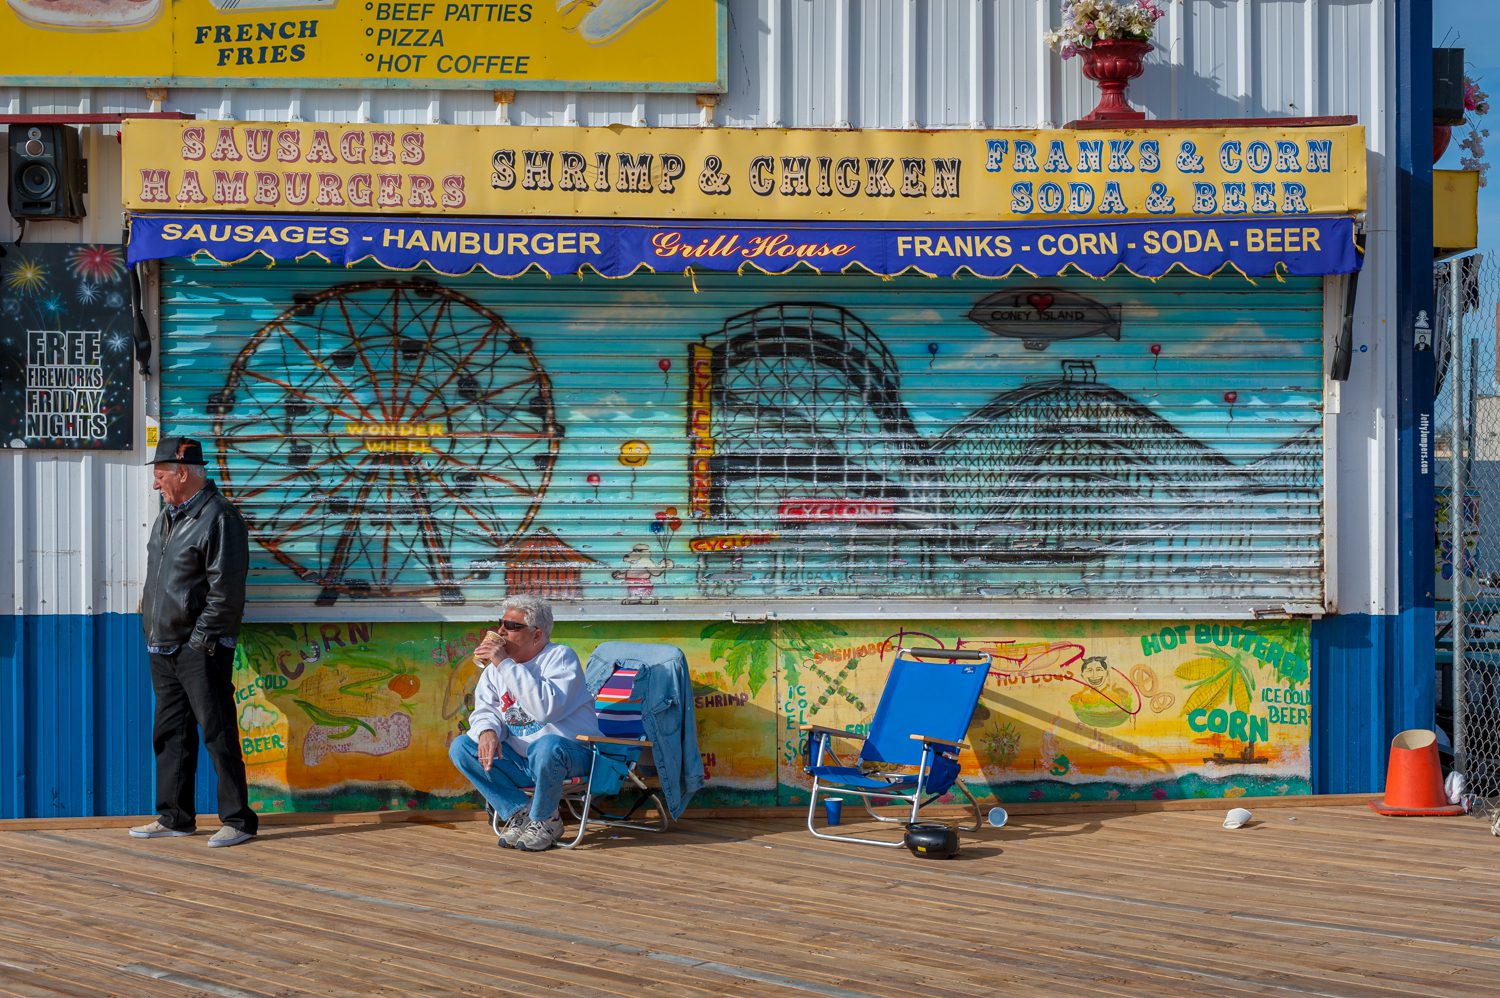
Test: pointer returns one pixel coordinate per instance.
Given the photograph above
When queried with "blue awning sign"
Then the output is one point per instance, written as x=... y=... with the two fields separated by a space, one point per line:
x=1256 y=246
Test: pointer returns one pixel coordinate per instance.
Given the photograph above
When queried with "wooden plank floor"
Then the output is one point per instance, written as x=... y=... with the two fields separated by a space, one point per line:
x=1306 y=900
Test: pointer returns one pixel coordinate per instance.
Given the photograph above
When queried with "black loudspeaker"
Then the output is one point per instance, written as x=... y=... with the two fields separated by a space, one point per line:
x=1447 y=86
x=46 y=172
x=931 y=840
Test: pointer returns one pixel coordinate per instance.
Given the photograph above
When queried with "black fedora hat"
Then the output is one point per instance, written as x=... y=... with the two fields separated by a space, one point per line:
x=178 y=450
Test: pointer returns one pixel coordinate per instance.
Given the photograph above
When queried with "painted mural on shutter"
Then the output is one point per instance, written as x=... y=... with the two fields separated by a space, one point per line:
x=660 y=441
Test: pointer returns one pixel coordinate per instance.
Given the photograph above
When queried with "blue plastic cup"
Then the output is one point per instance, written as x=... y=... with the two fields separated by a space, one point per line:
x=833 y=807
x=998 y=817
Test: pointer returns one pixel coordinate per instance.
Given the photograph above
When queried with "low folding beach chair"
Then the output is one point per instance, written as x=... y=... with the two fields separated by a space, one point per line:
x=920 y=724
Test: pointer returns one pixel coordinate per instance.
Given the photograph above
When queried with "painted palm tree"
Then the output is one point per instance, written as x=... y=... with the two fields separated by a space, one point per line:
x=1215 y=678
x=751 y=649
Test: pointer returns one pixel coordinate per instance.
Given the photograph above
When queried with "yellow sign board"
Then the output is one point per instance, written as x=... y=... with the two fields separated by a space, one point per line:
x=454 y=170
x=1455 y=210
x=584 y=44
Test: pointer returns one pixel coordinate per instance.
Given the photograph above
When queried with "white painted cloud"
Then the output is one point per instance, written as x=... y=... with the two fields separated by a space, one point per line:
x=255 y=716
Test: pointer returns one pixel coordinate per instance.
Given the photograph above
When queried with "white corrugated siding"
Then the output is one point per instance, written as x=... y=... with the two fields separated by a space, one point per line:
x=792 y=63
x=894 y=64
x=77 y=516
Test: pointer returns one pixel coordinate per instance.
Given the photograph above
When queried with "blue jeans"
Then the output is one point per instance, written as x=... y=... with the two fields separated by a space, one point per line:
x=549 y=761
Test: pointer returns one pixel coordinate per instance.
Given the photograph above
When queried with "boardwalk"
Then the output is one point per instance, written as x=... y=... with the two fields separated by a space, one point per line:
x=1330 y=900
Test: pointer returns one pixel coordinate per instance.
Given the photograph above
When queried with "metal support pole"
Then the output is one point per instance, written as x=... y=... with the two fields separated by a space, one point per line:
x=1456 y=512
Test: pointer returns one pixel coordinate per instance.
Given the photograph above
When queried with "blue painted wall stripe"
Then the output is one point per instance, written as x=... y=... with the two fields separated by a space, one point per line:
x=1347 y=697
x=1365 y=689
x=14 y=665
x=78 y=717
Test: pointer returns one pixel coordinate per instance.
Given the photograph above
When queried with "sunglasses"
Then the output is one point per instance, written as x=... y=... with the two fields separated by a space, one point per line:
x=513 y=625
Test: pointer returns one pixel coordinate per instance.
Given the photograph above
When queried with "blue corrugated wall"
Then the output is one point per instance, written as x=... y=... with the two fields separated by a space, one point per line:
x=1364 y=692
x=77 y=718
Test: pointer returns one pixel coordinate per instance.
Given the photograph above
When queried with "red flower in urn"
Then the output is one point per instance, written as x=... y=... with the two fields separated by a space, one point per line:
x=1113 y=37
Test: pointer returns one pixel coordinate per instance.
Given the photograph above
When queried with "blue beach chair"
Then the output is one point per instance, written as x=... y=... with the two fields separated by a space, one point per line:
x=622 y=763
x=920 y=724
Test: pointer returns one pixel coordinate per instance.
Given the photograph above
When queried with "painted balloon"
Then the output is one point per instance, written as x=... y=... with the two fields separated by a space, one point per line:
x=664 y=364
x=593 y=479
x=1231 y=397
x=657 y=528
x=1156 y=349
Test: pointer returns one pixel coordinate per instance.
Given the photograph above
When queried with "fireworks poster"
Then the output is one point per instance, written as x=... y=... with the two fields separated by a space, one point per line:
x=66 y=348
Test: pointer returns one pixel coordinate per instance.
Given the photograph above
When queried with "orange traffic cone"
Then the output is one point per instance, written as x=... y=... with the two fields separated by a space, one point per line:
x=1414 y=778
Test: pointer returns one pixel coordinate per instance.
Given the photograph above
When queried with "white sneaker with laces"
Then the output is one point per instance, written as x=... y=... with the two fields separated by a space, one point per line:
x=514 y=827
x=228 y=836
x=539 y=836
x=156 y=830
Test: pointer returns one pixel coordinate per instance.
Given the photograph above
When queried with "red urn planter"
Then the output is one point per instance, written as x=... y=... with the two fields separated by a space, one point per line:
x=1441 y=136
x=1113 y=64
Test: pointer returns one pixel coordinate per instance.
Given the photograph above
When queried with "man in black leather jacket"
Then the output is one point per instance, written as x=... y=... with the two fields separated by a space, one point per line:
x=196 y=558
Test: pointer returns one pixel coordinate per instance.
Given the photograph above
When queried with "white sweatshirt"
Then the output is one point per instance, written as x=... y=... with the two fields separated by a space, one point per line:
x=545 y=696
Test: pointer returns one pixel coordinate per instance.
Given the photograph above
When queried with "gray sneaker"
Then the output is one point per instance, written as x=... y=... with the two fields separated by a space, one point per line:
x=513 y=828
x=539 y=836
x=156 y=830
x=228 y=836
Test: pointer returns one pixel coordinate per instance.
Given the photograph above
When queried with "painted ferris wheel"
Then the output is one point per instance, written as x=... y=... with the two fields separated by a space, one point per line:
x=388 y=439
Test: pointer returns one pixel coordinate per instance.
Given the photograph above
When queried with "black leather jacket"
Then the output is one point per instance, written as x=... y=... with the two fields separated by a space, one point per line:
x=195 y=573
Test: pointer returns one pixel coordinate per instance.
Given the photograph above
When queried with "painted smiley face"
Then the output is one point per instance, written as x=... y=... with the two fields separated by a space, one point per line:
x=633 y=453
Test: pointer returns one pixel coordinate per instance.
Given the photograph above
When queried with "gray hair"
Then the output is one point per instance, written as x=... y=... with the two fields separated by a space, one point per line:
x=192 y=472
x=536 y=611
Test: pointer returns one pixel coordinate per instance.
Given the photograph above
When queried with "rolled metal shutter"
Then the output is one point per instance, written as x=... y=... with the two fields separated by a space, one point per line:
x=813 y=444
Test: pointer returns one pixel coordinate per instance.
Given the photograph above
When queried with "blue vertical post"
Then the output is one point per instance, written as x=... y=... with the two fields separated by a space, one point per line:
x=1408 y=676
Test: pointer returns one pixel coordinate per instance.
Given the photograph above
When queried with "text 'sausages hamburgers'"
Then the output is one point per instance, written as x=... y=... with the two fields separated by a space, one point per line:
x=87 y=15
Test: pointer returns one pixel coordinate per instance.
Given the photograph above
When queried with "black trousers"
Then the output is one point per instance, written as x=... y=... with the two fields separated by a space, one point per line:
x=193 y=691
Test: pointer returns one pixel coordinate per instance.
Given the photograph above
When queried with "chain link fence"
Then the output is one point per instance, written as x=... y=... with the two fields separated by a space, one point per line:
x=1467 y=417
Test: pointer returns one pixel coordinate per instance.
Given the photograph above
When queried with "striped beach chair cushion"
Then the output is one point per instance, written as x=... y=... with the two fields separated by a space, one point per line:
x=619 y=711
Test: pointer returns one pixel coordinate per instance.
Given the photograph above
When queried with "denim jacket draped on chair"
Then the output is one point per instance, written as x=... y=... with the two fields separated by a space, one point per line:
x=665 y=687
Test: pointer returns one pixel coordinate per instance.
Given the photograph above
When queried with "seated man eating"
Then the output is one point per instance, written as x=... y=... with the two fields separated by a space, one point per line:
x=529 y=706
